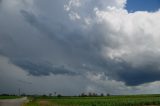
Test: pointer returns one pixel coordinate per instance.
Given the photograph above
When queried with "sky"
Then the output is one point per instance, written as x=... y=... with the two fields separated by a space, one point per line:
x=75 y=46
x=142 y=5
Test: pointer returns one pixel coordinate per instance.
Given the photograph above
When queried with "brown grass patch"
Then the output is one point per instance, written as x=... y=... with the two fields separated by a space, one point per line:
x=44 y=103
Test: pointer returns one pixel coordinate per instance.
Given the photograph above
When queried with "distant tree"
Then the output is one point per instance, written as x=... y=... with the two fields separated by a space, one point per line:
x=59 y=95
x=50 y=94
x=4 y=94
x=108 y=94
x=44 y=95
x=90 y=94
x=102 y=94
x=83 y=94
x=94 y=94
x=23 y=94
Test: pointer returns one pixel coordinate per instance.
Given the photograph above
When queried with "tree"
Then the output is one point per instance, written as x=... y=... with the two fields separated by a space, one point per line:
x=59 y=95
x=102 y=94
x=83 y=94
x=50 y=94
x=108 y=94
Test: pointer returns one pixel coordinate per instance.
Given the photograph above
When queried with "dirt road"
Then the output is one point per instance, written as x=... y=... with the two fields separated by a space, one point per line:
x=13 y=102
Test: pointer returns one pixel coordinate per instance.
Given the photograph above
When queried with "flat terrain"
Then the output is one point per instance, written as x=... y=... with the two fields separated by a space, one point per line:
x=12 y=102
x=132 y=100
x=9 y=97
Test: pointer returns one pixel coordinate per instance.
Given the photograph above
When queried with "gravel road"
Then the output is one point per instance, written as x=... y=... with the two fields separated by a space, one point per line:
x=13 y=102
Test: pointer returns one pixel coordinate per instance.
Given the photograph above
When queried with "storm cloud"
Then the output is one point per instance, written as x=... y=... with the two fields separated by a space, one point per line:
x=38 y=69
x=98 y=42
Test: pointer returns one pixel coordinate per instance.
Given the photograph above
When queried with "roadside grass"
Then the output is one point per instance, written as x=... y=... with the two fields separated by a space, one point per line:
x=38 y=102
x=9 y=97
x=138 y=100
x=31 y=102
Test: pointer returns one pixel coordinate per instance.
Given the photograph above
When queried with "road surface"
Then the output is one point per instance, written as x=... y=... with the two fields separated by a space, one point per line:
x=13 y=102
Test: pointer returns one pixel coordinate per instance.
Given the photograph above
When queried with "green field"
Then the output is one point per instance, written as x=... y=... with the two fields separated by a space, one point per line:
x=9 y=97
x=139 y=100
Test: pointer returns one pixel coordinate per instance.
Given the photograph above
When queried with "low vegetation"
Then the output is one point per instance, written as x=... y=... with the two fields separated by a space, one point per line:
x=134 y=100
x=5 y=96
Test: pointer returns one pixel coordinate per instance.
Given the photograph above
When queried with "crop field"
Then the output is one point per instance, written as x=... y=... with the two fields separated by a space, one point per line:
x=9 y=97
x=141 y=100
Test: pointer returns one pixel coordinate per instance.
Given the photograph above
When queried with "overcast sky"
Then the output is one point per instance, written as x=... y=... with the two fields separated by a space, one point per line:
x=75 y=46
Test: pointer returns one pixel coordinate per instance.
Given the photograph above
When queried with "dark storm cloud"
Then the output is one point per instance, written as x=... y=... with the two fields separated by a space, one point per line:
x=131 y=75
x=68 y=41
x=66 y=46
x=42 y=68
x=75 y=45
x=140 y=76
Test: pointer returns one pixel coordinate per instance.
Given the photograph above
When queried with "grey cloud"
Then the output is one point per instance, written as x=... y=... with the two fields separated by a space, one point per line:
x=128 y=73
x=7 y=44
x=35 y=22
x=24 y=82
x=42 y=68
x=76 y=45
x=139 y=75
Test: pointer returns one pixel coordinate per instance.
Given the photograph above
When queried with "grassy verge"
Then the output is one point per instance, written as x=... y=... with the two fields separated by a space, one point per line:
x=9 y=97
x=38 y=102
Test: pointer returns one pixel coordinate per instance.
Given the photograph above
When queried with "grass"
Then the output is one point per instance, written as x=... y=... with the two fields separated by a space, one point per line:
x=139 y=100
x=38 y=102
x=9 y=97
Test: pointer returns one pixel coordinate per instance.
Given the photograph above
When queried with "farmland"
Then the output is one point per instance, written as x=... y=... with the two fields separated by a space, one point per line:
x=132 y=100
x=9 y=97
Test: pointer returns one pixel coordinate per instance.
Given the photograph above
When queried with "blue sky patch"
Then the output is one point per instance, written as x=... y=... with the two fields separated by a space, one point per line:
x=143 y=5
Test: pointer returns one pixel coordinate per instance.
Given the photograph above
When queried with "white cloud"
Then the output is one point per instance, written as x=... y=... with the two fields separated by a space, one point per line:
x=132 y=34
x=85 y=8
x=71 y=4
x=74 y=16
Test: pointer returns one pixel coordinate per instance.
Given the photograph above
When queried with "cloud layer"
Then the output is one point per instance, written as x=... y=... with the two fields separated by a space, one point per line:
x=97 y=42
